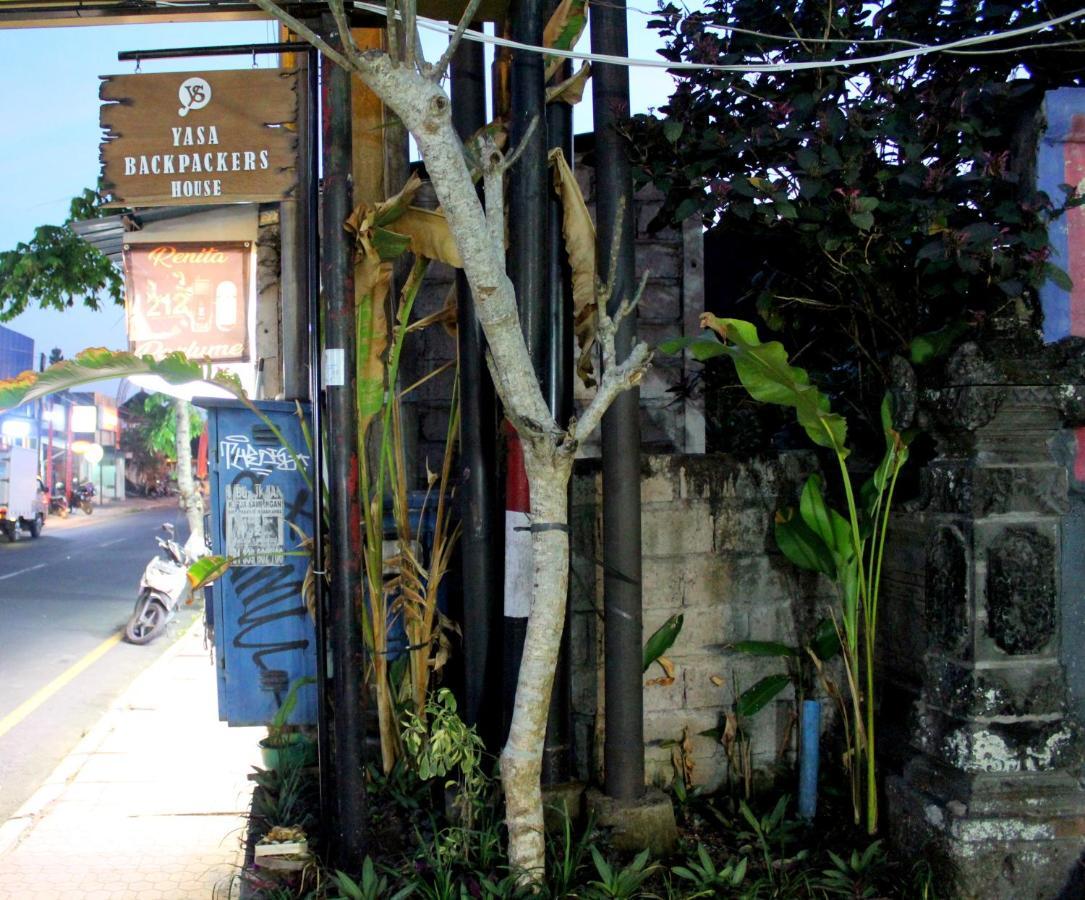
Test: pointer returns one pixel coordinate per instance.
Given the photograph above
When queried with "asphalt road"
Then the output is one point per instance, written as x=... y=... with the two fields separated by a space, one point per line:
x=62 y=598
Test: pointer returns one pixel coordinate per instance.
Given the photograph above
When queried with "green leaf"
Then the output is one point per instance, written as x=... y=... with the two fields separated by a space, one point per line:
x=390 y=245
x=97 y=364
x=1058 y=277
x=765 y=372
x=825 y=522
x=672 y=130
x=207 y=570
x=753 y=699
x=764 y=648
x=282 y=715
x=662 y=640
x=826 y=642
x=935 y=344
x=801 y=545
x=864 y=221
x=688 y=207
x=700 y=348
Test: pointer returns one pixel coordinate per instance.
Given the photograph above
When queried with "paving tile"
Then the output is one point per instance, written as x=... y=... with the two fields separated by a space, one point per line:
x=103 y=825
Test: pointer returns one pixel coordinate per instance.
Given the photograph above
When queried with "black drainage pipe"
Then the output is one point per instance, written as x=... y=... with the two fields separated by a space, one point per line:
x=347 y=646
x=478 y=456
x=624 y=751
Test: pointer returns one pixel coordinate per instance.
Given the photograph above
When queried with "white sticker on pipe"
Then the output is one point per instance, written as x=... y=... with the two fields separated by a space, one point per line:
x=519 y=565
x=334 y=368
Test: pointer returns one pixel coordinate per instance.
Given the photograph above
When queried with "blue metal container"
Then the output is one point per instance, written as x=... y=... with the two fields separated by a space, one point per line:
x=261 y=514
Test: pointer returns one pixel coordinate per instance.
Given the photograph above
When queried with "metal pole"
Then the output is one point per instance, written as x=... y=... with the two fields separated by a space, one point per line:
x=527 y=261
x=307 y=214
x=557 y=755
x=347 y=647
x=294 y=223
x=624 y=751
x=478 y=453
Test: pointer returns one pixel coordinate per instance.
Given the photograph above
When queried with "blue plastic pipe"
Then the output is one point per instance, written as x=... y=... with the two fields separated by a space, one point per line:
x=808 y=760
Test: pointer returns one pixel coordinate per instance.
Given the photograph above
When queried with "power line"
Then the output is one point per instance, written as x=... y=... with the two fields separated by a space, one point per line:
x=747 y=68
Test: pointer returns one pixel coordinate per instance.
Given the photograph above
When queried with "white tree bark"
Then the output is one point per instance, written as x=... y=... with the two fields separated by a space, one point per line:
x=410 y=90
x=191 y=501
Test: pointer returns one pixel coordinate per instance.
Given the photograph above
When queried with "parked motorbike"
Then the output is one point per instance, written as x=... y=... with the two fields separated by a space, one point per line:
x=58 y=503
x=82 y=497
x=162 y=588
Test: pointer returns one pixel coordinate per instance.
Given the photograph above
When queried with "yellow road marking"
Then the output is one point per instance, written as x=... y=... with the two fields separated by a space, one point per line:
x=36 y=699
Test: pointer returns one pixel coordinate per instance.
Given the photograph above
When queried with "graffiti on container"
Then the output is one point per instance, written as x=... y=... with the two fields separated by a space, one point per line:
x=271 y=622
x=239 y=453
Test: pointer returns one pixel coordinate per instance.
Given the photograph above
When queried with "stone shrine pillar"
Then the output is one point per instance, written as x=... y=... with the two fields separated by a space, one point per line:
x=995 y=782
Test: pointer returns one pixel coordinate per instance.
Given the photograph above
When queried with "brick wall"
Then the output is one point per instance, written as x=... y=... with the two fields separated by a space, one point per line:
x=709 y=554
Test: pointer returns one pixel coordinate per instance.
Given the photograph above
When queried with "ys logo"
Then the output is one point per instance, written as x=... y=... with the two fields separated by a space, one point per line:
x=194 y=93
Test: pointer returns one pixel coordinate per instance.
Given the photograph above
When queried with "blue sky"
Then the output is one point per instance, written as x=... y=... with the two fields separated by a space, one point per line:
x=49 y=133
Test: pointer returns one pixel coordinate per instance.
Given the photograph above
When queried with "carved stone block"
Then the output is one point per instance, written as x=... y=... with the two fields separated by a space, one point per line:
x=1021 y=590
x=947 y=592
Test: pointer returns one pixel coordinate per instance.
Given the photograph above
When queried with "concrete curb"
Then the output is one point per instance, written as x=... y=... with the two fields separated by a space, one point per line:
x=107 y=513
x=26 y=816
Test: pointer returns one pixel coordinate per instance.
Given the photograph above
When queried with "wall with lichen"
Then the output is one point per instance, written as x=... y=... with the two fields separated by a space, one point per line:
x=709 y=555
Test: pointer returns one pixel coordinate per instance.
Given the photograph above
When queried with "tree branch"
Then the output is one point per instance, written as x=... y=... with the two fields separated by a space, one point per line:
x=346 y=38
x=393 y=31
x=615 y=377
x=411 y=57
x=518 y=150
x=616 y=380
x=454 y=42
x=306 y=33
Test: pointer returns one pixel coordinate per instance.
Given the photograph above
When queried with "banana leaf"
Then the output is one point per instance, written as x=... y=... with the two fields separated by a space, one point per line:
x=579 y=233
x=571 y=90
x=753 y=699
x=207 y=570
x=764 y=648
x=563 y=30
x=826 y=642
x=662 y=640
x=98 y=363
x=831 y=527
x=765 y=372
x=801 y=545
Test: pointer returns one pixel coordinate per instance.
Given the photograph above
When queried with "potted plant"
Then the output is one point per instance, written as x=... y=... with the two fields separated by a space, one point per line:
x=282 y=746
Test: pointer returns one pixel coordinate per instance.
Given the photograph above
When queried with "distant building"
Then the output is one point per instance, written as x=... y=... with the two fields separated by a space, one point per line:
x=19 y=427
x=16 y=353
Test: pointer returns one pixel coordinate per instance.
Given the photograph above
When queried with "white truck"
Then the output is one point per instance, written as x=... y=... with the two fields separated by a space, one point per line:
x=23 y=503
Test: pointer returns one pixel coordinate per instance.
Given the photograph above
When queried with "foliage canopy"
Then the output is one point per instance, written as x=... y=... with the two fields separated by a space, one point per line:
x=56 y=267
x=880 y=201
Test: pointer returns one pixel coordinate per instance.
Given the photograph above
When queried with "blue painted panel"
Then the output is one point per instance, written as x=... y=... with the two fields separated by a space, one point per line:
x=264 y=636
x=1060 y=106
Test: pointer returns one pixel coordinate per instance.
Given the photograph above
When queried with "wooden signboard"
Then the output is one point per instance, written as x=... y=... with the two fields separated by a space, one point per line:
x=188 y=138
x=191 y=297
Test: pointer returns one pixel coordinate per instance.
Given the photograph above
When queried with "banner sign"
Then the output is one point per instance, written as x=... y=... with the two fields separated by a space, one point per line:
x=189 y=138
x=189 y=297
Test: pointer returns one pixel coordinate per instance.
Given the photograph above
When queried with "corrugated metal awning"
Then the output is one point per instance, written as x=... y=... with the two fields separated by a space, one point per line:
x=107 y=233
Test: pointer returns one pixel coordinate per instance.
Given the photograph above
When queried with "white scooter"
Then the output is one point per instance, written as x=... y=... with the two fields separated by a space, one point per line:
x=162 y=588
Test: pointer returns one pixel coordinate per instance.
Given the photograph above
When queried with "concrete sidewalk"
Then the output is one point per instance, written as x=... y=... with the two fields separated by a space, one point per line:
x=151 y=804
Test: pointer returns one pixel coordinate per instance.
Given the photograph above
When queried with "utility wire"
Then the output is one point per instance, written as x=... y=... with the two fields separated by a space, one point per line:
x=911 y=52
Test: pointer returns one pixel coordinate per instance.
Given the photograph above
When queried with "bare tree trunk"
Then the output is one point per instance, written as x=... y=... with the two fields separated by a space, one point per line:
x=521 y=758
x=191 y=501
